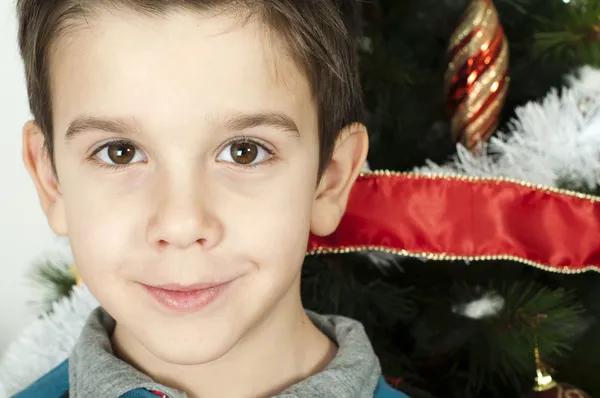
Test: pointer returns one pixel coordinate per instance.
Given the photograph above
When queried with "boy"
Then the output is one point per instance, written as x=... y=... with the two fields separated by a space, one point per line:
x=187 y=149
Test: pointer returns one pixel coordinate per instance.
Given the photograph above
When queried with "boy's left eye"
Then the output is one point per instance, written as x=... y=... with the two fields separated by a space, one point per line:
x=245 y=153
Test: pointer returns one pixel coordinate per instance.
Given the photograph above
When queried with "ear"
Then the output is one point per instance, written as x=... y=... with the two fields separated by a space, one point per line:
x=38 y=164
x=348 y=157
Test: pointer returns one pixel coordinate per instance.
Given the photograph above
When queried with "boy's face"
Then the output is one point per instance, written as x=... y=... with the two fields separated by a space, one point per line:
x=186 y=153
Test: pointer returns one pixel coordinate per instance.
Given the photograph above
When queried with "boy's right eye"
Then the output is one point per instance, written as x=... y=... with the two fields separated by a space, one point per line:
x=119 y=153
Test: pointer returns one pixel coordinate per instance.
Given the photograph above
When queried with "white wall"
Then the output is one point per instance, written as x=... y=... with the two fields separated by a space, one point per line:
x=24 y=233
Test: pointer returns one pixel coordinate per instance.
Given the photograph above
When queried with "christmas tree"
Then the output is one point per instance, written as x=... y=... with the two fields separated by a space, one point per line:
x=483 y=328
x=418 y=312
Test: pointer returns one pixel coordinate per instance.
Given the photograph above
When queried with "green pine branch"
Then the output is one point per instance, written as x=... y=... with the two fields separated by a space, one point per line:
x=55 y=281
x=501 y=349
x=573 y=32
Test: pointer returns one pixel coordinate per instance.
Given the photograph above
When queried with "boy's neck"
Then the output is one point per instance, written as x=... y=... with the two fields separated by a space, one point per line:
x=282 y=350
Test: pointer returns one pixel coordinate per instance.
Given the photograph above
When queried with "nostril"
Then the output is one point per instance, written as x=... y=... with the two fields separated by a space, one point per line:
x=163 y=243
x=202 y=241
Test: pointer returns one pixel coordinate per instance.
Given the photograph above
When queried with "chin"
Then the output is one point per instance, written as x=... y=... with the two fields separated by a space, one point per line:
x=191 y=349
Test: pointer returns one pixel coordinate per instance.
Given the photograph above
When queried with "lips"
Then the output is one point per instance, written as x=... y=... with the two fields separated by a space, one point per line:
x=186 y=298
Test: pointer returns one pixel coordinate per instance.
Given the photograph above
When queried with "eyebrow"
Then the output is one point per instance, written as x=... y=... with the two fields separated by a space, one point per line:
x=278 y=120
x=81 y=124
x=236 y=122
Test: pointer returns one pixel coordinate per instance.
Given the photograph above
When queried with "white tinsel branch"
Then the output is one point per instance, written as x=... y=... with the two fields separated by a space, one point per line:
x=45 y=343
x=550 y=141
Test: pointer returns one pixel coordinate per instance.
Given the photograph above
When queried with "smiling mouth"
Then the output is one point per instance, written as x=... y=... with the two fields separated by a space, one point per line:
x=186 y=298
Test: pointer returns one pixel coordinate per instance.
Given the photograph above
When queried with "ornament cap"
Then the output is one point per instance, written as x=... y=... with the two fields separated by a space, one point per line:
x=543 y=380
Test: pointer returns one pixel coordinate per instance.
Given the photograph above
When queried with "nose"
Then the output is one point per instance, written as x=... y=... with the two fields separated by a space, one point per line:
x=183 y=217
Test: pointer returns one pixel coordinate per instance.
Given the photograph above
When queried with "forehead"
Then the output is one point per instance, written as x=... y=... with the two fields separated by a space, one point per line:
x=159 y=69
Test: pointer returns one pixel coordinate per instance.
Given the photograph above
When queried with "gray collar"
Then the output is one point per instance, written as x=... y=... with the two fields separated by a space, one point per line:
x=95 y=371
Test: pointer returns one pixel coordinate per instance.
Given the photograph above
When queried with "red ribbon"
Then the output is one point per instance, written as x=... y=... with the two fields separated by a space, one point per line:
x=445 y=217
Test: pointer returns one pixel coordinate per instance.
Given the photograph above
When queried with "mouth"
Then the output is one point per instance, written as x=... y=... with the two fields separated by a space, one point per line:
x=187 y=298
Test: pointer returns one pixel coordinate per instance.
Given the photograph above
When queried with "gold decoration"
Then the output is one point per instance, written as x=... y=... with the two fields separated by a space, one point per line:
x=543 y=380
x=546 y=387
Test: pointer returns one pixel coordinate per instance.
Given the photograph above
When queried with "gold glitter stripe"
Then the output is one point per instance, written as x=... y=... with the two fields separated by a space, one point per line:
x=455 y=257
x=474 y=179
x=481 y=87
x=490 y=25
x=472 y=18
x=474 y=128
x=460 y=127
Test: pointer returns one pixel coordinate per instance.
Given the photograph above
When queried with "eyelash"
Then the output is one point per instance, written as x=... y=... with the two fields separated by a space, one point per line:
x=235 y=140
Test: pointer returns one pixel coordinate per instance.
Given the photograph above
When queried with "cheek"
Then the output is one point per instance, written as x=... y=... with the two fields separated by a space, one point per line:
x=270 y=236
x=101 y=224
x=270 y=222
x=274 y=225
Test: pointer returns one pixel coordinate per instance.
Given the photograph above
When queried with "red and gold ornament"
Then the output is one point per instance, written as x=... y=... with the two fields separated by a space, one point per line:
x=546 y=387
x=476 y=80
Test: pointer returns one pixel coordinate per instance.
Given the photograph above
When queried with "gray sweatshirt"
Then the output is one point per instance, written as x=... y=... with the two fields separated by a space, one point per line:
x=94 y=371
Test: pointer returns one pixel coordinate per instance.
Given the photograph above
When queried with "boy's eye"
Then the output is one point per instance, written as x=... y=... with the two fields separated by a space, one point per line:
x=120 y=153
x=245 y=153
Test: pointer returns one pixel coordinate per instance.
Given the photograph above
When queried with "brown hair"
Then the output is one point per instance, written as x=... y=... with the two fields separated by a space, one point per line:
x=315 y=32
